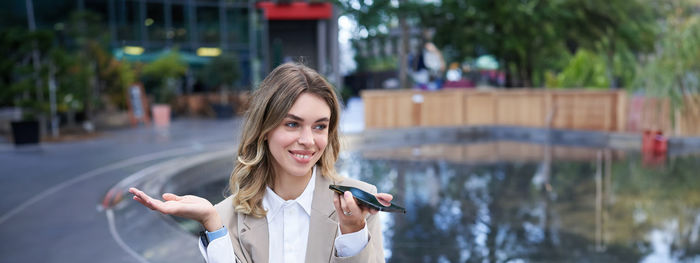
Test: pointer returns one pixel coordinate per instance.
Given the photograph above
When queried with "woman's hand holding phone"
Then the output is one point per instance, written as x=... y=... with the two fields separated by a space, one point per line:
x=351 y=216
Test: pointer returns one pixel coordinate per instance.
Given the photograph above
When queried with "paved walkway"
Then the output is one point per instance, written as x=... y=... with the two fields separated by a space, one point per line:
x=51 y=194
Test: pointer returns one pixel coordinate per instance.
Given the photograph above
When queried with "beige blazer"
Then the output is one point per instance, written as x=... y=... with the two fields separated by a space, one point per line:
x=249 y=235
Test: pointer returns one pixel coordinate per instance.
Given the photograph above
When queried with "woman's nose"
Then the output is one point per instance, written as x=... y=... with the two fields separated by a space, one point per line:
x=306 y=137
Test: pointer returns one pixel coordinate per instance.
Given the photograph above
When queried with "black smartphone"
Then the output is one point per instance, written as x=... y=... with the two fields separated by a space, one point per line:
x=366 y=198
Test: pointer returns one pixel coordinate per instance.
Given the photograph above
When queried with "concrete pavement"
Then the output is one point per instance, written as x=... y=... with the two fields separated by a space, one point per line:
x=51 y=194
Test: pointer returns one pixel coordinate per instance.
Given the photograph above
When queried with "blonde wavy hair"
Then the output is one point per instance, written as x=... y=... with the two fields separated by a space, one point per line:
x=270 y=103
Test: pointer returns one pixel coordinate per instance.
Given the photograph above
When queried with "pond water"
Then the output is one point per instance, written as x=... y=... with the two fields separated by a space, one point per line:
x=519 y=202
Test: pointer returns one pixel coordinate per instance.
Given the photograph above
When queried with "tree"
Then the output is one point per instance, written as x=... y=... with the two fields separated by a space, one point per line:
x=376 y=18
x=673 y=70
x=18 y=76
x=530 y=37
x=91 y=79
x=89 y=38
x=614 y=29
x=165 y=70
x=221 y=72
x=585 y=69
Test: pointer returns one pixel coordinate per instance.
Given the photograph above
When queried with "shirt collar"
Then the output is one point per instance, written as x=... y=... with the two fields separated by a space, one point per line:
x=273 y=203
x=308 y=195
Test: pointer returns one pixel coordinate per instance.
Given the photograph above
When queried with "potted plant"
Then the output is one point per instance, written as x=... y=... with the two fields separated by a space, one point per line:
x=166 y=70
x=22 y=84
x=25 y=131
x=25 y=125
x=222 y=72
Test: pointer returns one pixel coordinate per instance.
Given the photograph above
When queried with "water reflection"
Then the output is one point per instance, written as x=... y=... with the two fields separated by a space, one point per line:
x=517 y=202
x=511 y=202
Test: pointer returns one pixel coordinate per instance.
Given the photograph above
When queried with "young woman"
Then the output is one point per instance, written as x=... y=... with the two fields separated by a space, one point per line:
x=281 y=209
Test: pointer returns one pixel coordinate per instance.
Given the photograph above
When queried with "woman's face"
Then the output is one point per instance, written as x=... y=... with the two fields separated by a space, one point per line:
x=298 y=142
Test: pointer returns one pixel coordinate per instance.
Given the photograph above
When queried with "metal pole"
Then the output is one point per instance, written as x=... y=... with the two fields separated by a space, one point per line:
x=253 y=61
x=111 y=9
x=223 y=30
x=192 y=23
x=35 y=63
x=334 y=55
x=403 y=52
x=321 y=53
x=266 y=44
x=169 y=31
x=142 y=24
x=52 y=99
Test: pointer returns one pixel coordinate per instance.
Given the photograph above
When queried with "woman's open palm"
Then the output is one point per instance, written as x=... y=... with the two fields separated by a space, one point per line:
x=188 y=206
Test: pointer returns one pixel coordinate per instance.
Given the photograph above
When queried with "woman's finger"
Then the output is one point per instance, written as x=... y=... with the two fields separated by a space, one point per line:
x=140 y=194
x=147 y=201
x=351 y=204
x=344 y=204
x=143 y=198
x=171 y=197
x=336 y=203
x=138 y=199
x=384 y=198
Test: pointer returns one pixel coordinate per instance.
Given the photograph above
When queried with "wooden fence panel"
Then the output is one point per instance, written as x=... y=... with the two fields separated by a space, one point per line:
x=689 y=117
x=585 y=111
x=479 y=109
x=389 y=110
x=572 y=109
x=521 y=108
x=441 y=109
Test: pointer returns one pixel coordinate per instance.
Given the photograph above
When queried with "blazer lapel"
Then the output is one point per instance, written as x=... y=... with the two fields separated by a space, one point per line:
x=254 y=236
x=323 y=225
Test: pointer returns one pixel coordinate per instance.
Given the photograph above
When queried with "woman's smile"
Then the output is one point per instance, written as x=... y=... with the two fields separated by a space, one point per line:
x=302 y=156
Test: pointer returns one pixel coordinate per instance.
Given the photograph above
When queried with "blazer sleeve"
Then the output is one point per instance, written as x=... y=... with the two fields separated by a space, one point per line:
x=230 y=220
x=374 y=251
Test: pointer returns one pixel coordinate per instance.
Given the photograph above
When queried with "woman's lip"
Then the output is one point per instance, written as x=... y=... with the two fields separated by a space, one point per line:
x=302 y=159
x=301 y=152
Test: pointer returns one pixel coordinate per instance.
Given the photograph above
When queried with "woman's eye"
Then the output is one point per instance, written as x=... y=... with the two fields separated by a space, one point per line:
x=320 y=127
x=291 y=124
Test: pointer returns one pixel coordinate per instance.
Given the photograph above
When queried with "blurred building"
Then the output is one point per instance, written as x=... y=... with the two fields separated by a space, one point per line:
x=261 y=34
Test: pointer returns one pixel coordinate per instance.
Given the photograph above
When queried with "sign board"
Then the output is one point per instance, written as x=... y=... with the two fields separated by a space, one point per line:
x=138 y=104
x=296 y=10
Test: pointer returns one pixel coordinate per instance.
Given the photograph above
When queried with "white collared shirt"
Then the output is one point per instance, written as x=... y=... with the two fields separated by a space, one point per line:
x=288 y=227
x=288 y=224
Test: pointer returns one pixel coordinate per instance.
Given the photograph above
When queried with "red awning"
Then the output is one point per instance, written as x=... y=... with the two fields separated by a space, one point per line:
x=296 y=11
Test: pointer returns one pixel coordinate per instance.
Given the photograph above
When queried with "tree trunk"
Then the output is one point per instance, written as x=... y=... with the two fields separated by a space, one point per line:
x=403 y=52
x=522 y=70
x=89 y=101
x=36 y=63
x=609 y=67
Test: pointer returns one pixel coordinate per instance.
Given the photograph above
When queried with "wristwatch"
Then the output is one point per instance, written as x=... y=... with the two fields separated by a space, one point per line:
x=207 y=237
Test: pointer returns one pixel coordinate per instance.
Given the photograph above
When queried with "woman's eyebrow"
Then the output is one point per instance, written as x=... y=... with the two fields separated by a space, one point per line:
x=294 y=117
x=297 y=118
